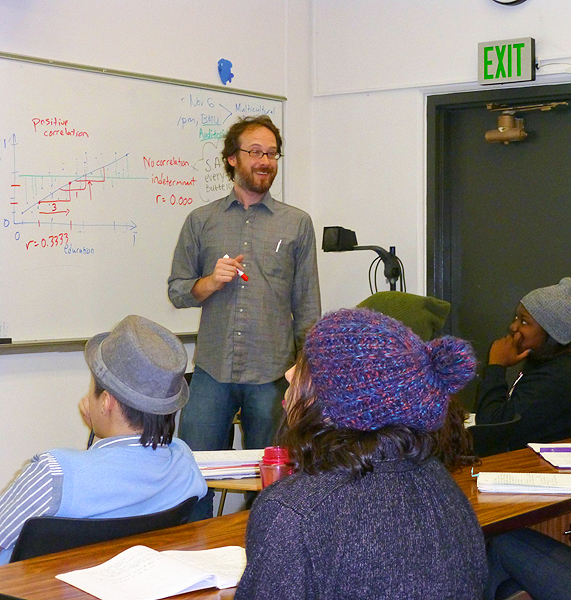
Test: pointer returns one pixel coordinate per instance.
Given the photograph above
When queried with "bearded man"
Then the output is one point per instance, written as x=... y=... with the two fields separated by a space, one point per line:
x=256 y=306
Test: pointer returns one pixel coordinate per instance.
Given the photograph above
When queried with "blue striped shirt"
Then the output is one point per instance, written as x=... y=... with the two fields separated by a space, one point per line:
x=116 y=477
x=36 y=492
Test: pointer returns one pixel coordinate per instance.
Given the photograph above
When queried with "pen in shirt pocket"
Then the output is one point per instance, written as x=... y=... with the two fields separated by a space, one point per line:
x=278 y=246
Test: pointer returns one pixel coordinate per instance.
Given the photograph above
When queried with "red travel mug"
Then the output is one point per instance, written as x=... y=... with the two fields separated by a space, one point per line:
x=274 y=465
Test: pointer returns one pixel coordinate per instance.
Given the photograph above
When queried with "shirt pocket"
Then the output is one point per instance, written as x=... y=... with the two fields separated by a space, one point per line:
x=279 y=258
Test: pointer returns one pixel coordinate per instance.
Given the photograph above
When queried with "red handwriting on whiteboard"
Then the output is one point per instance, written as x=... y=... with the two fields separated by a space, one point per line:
x=46 y=126
x=50 y=241
x=173 y=161
x=173 y=200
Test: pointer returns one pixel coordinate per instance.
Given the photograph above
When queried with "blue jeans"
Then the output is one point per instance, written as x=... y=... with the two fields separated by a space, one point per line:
x=528 y=560
x=206 y=420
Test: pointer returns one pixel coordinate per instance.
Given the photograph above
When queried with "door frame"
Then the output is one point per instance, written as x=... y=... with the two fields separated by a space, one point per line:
x=439 y=253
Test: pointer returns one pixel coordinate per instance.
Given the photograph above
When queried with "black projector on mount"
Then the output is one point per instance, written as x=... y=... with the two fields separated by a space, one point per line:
x=338 y=239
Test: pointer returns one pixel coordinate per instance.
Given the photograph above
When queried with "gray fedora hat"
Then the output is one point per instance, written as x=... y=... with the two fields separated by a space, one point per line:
x=142 y=364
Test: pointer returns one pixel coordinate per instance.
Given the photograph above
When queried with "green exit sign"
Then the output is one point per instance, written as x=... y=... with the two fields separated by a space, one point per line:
x=506 y=61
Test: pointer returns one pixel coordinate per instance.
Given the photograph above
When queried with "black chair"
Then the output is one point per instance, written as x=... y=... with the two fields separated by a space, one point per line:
x=45 y=535
x=493 y=438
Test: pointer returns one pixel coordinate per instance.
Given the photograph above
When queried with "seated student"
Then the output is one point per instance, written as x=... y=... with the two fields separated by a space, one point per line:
x=528 y=560
x=541 y=334
x=136 y=468
x=369 y=512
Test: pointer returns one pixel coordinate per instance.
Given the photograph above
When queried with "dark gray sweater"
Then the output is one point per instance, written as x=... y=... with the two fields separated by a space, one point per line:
x=405 y=531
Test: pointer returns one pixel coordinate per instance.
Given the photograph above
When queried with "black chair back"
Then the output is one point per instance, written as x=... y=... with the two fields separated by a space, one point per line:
x=493 y=438
x=45 y=535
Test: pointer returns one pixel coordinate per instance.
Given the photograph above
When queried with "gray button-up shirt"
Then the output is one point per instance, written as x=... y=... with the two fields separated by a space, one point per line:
x=249 y=331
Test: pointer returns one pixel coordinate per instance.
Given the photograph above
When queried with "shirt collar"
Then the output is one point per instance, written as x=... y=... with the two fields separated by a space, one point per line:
x=267 y=201
x=120 y=440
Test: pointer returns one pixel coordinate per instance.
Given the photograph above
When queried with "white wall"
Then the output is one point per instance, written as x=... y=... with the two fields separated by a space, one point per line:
x=365 y=45
x=368 y=177
x=355 y=141
x=269 y=46
x=374 y=64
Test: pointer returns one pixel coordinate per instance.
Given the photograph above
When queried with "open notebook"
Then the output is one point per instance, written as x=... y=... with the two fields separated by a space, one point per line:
x=141 y=573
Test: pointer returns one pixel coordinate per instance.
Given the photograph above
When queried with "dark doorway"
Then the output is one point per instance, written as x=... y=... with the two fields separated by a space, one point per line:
x=499 y=216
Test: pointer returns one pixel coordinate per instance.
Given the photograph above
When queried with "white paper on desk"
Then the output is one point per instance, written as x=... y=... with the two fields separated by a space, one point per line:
x=227 y=458
x=560 y=460
x=229 y=472
x=525 y=483
x=141 y=573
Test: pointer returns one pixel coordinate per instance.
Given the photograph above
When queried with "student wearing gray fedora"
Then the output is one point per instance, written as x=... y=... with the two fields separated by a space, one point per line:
x=135 y=467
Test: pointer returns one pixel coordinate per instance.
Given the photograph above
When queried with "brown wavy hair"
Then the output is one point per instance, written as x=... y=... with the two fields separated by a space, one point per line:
x=316 y=445
x=232 y=139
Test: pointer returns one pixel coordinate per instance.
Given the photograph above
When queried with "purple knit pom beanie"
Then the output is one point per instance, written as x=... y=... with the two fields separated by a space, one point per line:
x=369 y=371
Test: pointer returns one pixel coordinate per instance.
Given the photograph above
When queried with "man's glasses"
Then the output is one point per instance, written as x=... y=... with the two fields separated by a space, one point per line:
x=260 y=154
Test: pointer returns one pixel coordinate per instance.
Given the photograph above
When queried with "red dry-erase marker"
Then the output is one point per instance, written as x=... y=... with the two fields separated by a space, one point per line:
x=241 y=273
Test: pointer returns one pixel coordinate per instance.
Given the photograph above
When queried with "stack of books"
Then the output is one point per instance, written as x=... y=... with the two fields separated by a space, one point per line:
x=229 y=464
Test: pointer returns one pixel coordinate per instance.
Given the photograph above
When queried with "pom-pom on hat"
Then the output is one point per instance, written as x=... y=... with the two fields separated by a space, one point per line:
x=369 y=371
x=142 y=364
x=551 y=308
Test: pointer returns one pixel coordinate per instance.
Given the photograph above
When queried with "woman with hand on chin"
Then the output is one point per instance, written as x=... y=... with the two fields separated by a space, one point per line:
x=541 y=395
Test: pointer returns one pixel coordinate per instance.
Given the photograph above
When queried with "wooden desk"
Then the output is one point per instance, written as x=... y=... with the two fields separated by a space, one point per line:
x=498 y=513
x=34 y=579
x=247 y=484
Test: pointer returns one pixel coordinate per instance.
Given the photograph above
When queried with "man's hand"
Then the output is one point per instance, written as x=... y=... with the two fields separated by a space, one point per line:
x=505 y=352
x=225 y=270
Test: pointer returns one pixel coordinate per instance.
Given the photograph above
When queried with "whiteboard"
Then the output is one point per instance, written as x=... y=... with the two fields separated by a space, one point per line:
x=97 y=175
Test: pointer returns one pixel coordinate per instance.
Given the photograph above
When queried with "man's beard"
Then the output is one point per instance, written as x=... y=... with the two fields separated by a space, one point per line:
x=246 y=178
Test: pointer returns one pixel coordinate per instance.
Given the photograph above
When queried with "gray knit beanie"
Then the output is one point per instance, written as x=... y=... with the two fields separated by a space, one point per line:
x=551 y=308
